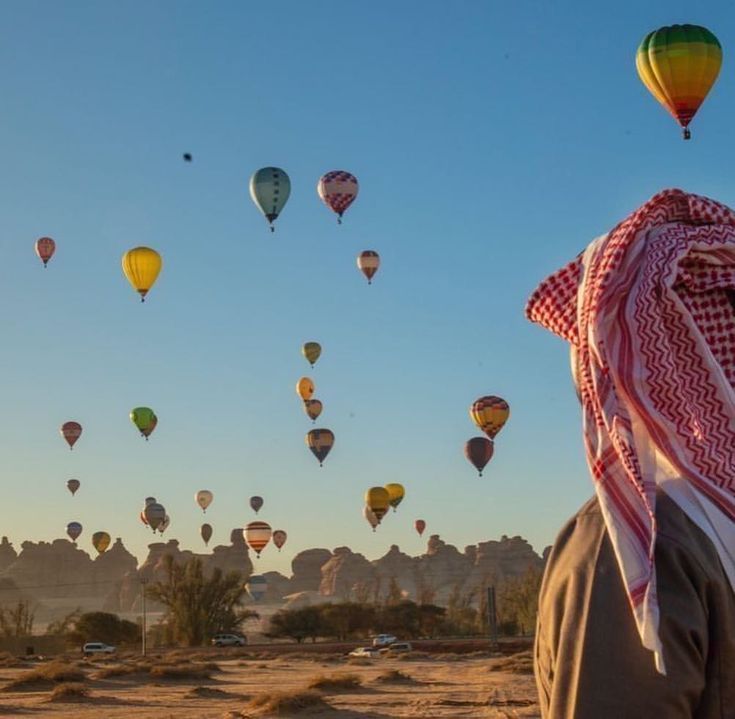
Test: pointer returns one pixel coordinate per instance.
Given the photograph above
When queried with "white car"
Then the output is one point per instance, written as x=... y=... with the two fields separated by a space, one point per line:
x=384 y=640
x=369 y=652
x=228 y=640
x=97 y=648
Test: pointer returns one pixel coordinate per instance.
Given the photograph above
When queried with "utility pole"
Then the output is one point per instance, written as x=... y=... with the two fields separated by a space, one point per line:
x=492 y=618
x=143 y=582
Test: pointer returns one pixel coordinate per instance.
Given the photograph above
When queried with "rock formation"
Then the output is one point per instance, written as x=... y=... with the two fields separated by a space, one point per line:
x=7 y=554
x=306 y=569
x=348 y=576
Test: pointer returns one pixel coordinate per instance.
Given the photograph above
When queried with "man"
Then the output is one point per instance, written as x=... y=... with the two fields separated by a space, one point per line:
x=637 y=608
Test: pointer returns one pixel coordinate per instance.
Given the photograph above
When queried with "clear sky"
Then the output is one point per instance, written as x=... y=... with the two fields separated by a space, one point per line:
x=492 y=141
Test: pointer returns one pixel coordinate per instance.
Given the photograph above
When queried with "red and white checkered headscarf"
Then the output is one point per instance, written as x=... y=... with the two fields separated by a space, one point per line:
x=650 y=311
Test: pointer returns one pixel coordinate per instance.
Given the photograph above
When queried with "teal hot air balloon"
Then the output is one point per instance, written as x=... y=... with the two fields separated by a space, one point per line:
x=270 y=188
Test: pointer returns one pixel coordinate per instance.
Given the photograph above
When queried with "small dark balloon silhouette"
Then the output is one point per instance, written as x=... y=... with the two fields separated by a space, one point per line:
x=187 y=157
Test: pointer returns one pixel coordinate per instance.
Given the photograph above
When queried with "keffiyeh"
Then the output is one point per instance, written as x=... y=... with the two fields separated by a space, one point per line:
x=650 y=312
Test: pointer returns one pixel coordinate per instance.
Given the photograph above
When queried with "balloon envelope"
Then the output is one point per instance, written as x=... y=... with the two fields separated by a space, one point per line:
x=149 y=500
x=100 y=541
x=420 y=526
x=313 y=408
x=71 y=432
x=490 y=414
x=163 y=526
x=203 y=498
x=206 y=532
x=338 y=190
x=148 y=431
x=142 y=418
x=369 y=515
x=73 y=529
x=377 y=499
x=368 y=263
x=479 y=451
x=270 y=188
x=305 y=388
x=396 y=493
x=279 y=538
x=312 y=351
x=256 y=503
x=45 y=248
x=320 y=442
x=155 y=514
x=257 y=535
x=679 y=65
x=73 y=485
x=141 y=266
x=257 y=587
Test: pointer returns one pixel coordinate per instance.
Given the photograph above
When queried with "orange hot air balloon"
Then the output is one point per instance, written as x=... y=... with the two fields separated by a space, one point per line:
x=71 y=432
x=312 y=407
x=368 y=263
x=100 y=541
x=420 y=526
x=490 y=414
x=479 y=451
x=279 y=538
x=305 y=388
x=45 y=248
x=377 y=499
x=257 y=535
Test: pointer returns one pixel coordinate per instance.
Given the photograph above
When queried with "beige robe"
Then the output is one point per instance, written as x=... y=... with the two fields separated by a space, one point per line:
x=590 y=663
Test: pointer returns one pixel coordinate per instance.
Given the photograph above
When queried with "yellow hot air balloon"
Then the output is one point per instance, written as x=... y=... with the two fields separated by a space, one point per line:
x=141 y=266
x=679 y=65
x=100 y=541
x=312 y=352
x=490 y=414
x=305 y=388
x=377 y=500
x=396 y=493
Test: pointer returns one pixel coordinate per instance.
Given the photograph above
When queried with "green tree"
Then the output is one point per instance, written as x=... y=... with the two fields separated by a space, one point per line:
x=394 y=594
x=298 y=624
x=518 y=601
x=461 y=618
x=198 y=606
x=431 y=618
x=348 y=619
x=104 y=627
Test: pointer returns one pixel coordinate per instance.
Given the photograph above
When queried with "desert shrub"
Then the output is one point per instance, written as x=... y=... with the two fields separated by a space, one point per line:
x=521 y=663
x=103 y=627
x=335 y=682
x=286 y=703
x=43 y=675
x=69 y=693
x=394 y=676
x=179 y=671
x=359 y=661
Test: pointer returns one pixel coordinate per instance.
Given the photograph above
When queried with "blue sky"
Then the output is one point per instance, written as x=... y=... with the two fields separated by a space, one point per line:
x=492 y=141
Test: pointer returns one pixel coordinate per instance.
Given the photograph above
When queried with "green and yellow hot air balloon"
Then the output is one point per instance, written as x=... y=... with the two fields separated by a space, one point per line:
x=679 y=64
x=312 y=351
x=144 y=418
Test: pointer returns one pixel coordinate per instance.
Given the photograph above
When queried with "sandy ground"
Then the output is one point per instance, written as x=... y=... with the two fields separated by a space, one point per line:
x=445 y=686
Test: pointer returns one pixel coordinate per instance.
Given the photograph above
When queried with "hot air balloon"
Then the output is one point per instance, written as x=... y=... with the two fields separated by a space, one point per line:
x=155 y=514
x=73 y=529
x=369 y=515
x=312 y=351
x=165 y=524
x=396 y=493
x=377 y=499
x=368 y=263
x=305 y=388
x=141 y=266
x=206 y=533
x=420 y=526
x=257 y=586
x=257 y=535
x=279 y=538
x=320 y=442
x=203 y=498
x=312 y=407
x=270 y=188
x=679 y=65
x=150 y=500
x=45 y=248
x=142 y=517
x=73 y=485
x=71 y=432
x=148 y=431
x=143 y=418
x=100 y=541
x=187 y=157
x=490 y=414
x=338 y=190
x=256 y=503
x=479 y=451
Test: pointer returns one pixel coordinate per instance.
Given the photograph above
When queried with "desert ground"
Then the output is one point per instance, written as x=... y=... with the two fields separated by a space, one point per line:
x=239 y=683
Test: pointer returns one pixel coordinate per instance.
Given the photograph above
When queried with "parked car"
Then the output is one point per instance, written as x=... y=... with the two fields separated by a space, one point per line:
x=229 y=640
x=383 y=640
x=369 y=652
x=97 y=648
x=397 y=648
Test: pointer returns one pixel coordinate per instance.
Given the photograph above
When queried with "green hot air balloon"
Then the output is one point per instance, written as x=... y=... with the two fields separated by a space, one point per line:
x=143 y=418
x=270 y=188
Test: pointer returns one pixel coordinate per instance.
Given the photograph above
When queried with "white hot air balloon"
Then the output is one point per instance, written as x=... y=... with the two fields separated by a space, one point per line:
x=203 y=498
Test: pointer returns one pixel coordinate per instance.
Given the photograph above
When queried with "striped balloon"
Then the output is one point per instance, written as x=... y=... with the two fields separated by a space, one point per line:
x=490 y=414
x=679 y=65
x=377 y=499
x=257 y=535
x=368 y=263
